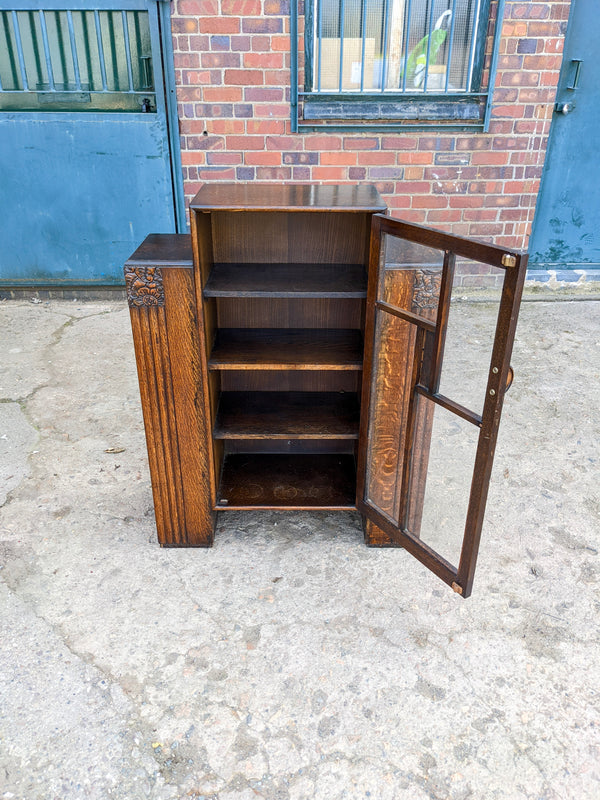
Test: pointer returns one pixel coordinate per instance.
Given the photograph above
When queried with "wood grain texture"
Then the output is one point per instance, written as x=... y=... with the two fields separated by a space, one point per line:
x=390 y=391
x=274 y=380
x=168 y=362
x=286 y=312
x=283 y=481
x=276 y=237
x=392 y=434
x=293 y=349
x=287 y=415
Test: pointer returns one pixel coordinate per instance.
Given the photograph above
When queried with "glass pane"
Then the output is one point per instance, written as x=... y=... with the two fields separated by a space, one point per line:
x=442 y=463
x=353 y=31
x=474 y=307
x=411 y=276
x=438 y=53
x=392 y=373
x=423 y=45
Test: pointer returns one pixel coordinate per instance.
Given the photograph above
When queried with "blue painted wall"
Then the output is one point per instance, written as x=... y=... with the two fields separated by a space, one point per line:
x=566 y=229
x=79 y=193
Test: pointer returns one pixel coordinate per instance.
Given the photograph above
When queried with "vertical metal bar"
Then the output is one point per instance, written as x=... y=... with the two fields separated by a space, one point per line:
x=127 y=49
x=308 y=41
x=294 y=71
x=100 y=50
x=386 y=22
x=320 y=37
x=426 y=74
x=74 y=51
x=60 y=40
x=342 y=20
x=20 y=56
x=493 y=65
x=166 y=77
x=49 y=69
x=10 y=50
x=363 y=33
x=145 y=78
x=406 y=40
x=474 y=34
x=450 y=43
x=113 y=50
x=87 y=49
x=36 y=46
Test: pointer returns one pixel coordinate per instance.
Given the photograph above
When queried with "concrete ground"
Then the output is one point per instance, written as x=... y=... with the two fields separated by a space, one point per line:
x=289 y=661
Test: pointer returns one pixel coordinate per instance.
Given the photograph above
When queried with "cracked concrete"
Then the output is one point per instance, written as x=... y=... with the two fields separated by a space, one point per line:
x=288 y=662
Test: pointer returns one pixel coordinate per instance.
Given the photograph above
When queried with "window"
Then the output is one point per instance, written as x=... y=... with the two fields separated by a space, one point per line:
x=398 y=62
x=75 y=60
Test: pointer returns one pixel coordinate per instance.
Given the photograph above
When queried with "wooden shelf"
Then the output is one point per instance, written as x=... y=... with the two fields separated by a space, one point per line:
x=283 y=481
x=287 y=415
x=293 y=348
x=287 y=280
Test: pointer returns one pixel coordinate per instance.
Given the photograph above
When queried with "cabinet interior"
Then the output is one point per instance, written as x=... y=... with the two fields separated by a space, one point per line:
x=283 y=296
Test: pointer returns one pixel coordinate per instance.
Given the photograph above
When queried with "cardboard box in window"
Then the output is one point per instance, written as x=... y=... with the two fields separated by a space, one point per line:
x=351 y=74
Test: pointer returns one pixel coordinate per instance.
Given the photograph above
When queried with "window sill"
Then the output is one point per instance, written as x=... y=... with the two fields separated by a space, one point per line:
x=410 y=109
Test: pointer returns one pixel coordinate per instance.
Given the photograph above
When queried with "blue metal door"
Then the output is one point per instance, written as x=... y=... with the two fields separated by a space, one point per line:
x=566 y=230
x=85 y=159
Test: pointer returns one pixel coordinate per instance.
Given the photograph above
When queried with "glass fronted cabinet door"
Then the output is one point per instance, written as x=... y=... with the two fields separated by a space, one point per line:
x=440 y=325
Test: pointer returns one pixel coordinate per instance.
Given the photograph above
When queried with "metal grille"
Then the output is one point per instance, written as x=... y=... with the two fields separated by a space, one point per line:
x=393 y=64
x=76 y=60
x=401 y=46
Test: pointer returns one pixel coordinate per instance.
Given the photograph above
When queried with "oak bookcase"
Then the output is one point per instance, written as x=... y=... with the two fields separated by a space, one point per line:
x=262 y=342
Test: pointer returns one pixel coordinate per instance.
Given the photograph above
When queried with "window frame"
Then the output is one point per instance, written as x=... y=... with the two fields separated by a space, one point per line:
x=385 y=110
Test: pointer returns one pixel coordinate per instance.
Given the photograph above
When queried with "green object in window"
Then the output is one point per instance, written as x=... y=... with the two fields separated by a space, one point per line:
x=416 y=62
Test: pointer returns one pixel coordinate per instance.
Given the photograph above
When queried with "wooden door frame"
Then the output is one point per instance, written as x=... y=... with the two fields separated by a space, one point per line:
x=426 y=384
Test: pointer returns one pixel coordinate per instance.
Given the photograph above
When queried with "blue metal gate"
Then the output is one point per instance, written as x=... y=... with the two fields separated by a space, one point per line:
x=565 y=232
x=88 y=163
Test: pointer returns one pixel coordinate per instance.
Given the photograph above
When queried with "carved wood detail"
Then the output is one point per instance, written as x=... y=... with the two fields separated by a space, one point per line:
x=426 y=289
x=144 y=286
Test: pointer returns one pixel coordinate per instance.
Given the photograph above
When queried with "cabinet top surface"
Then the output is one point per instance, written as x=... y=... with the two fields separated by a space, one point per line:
x=287 y=197
x=163 y=249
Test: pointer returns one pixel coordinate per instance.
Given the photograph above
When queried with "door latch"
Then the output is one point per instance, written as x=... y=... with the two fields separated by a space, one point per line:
x=564 y=108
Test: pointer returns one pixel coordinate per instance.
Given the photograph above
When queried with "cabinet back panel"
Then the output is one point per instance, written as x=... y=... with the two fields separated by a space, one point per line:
x=284 y=312
x=290 y=381
x=278 y=237
x=289 y=446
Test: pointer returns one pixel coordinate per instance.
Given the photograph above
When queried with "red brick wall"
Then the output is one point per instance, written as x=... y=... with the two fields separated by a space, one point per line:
x=232 y=60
